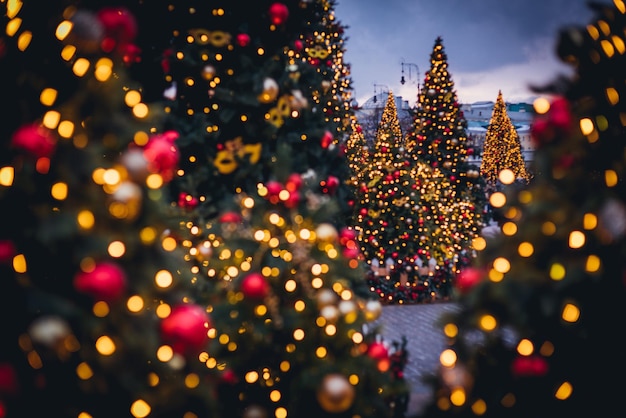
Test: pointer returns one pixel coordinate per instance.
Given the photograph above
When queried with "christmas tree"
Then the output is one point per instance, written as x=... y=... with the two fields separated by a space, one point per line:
x=455 y=203
x=502 y=149
x=264 y=184
x=536 y=334
x=97 y=315
x=384 y=213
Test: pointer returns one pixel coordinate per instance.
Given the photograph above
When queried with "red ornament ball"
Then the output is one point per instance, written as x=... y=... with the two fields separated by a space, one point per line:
x=274 y=188
x=34 y=140
x=294 y=182
x=7 y=251
x=293 y=200
x=243 y=39
x=162 y=156
x=107 y=282
x=230 y=217
x=468 y=278
x=185 y=329
x=327 y=139
x=255 y=286
x=529 y=366
x=278 y=13
x=377 y=351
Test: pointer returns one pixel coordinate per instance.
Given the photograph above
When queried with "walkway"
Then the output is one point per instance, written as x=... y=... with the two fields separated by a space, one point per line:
x=425 y=341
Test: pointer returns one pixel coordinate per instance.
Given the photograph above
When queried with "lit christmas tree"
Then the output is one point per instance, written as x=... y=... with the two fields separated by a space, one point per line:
x=385 y=213
x=455 y=204
x=502 y=149
x=358 y=156
x=264 y=182
x=97 y=316
x=540 y=311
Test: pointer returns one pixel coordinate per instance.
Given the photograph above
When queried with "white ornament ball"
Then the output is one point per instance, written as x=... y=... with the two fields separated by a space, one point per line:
x=49 y=330
x=326 y=297
x=326 y=232
x=330 y=313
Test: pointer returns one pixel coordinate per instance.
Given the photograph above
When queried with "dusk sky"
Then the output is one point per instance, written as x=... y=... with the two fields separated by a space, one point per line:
x=491 y=45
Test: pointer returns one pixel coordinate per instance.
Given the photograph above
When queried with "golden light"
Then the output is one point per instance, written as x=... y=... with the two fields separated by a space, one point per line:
x=192 y=380
x=612 y=95
x=525 y=249
x=7 y=174
x=148 y=235
x=593 y=264
x=85 y=219
x=63 y=29
x=321 y=352
x=19 y=263
x=140 y=409
x=450 y=330
x=141 y=110
x=111 y=177
x=252 y=376
x=101 y=309
x=51 y=119
x=83 y=371
x=132 y=97
x=611 y=178
x=501 y=265
x=154 y=181
x=458 y=397
x=68 y=52
x=525 y=347
x=105 y=345
x=280 y=412
x=557 y=271
x=163 y=279
x=298 y=334
x=48 y=96
x=165 y=353
x=13 y=26
x=570 y=313
x=506 y=176
x=24 y=40
x=586 y=126
x=509 y=228
x=80 y=67
x=135 y=303
x=497 y=199
x=590 y=221
x=163 y=310
x=564 y=391
x=479 y=407
x=66 y=129
x=576 y=239
x=116 y=249
x=541 y=105
x=448 y=358
x=59 y=191
x=275 y=395
x=487 y=322
x=13 y=8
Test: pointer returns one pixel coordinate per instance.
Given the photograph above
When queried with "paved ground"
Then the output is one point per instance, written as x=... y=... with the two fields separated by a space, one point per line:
x=425 y=341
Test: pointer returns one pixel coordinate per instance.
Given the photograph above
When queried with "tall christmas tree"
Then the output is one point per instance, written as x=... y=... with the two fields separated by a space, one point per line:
x=536 y=333
x=97 y=315
x=502 y=149
x=456 y=204
x=264 y=181
x=384 y=214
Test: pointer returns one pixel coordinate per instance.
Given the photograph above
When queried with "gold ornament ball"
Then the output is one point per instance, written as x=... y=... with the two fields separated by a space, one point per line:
x=208 y=72
x=270 y=91
x=335 y=394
